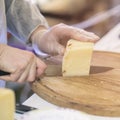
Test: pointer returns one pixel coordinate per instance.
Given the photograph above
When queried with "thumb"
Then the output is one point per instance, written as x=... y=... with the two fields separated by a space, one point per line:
x=59 y=49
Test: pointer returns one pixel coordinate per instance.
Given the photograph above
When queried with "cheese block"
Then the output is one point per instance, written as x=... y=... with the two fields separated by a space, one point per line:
x=7 y=104
x=77 y=58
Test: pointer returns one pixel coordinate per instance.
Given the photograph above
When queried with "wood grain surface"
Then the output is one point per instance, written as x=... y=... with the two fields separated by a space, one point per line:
x=98 y=93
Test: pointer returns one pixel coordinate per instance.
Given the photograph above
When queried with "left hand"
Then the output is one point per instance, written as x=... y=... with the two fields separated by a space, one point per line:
x=53 y=41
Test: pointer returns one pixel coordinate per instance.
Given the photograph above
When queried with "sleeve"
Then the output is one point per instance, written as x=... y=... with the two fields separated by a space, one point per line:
x=23 y=17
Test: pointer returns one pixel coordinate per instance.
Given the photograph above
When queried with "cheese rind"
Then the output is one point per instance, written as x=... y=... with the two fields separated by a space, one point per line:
x=77 y=58
x=7 y=104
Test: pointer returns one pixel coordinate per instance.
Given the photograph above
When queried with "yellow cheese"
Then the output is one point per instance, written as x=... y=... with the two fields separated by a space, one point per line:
x=77 y=58
x=7 y=104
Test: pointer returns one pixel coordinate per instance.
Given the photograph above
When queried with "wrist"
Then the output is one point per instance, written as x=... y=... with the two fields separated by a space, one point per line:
x=39 y=31
x=35 y=40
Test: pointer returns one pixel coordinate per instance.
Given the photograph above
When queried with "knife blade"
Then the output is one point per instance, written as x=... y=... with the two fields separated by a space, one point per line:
x=53 y=70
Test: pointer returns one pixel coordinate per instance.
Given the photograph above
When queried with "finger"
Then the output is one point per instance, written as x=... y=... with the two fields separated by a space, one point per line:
x=12 y=77
x=31 y=64
x=83 y=38
x=29 y=72
x=58 y=49
x=83 y=35
x=25 y=70
x=41 y=66
x=24 y=74
x=6 y=77
x=32 y=73
x=70 y=32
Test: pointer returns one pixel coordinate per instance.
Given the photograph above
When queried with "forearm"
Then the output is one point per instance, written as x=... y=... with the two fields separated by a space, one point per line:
x=23 y=18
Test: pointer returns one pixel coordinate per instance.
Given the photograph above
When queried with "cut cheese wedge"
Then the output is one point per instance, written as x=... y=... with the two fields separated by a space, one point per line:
x=7 y=104
x=77 y=58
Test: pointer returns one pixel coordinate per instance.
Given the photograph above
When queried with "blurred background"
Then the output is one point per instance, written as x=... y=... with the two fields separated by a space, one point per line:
x=98 y=16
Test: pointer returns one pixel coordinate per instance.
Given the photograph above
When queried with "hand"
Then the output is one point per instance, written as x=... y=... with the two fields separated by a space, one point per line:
x=22 y=65
x=53 y=40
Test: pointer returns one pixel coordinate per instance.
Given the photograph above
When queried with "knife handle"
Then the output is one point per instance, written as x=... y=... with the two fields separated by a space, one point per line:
x=2 y=73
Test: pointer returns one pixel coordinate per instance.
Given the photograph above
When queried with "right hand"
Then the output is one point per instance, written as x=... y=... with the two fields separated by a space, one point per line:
x=22 y=65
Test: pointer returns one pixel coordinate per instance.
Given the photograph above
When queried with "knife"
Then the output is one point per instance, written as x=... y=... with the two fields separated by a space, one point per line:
x=2 y=73
x=52 y=70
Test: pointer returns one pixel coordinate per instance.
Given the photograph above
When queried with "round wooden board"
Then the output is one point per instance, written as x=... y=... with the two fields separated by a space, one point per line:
x=97 y=94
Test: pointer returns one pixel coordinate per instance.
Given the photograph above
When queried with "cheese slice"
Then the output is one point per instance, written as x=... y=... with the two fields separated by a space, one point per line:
x=7 y=104
x=77 y=58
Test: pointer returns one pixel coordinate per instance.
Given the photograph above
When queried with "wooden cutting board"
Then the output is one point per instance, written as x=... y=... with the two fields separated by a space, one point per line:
x=97 y=94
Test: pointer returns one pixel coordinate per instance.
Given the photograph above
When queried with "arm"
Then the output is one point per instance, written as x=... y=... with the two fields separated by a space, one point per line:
x=23 y=17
